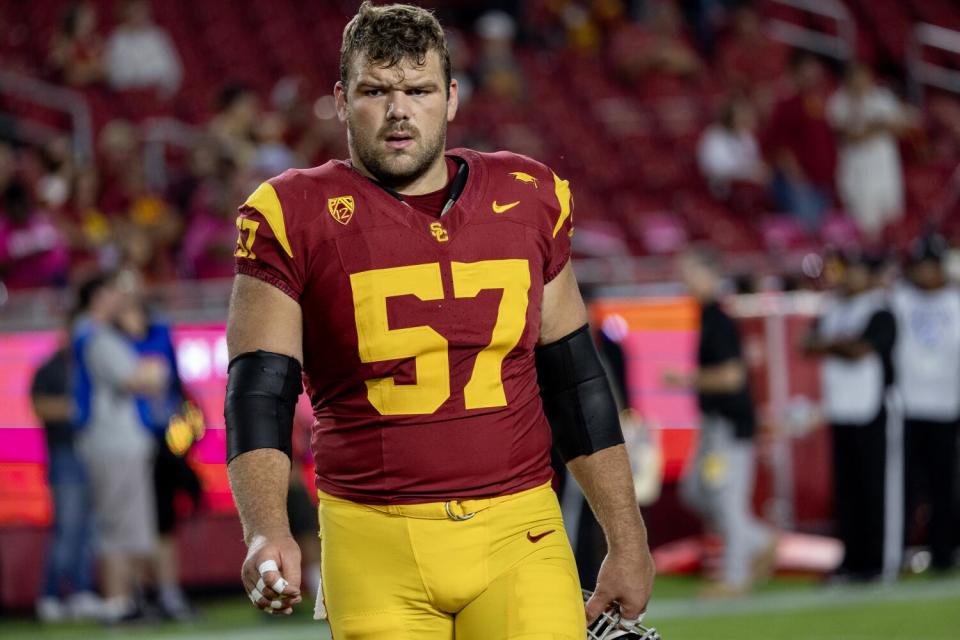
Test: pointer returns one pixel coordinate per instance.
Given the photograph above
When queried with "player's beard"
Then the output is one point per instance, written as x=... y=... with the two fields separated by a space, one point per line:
x=398 y=168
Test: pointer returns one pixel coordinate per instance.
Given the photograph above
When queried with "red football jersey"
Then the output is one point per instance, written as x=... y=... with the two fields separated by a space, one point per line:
x=418 y=331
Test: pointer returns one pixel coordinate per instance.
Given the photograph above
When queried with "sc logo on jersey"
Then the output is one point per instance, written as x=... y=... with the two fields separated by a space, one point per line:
x=341 y=208
x=438 y=232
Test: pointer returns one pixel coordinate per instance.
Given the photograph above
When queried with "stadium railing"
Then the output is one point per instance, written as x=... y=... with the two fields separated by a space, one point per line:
x=184 y=301
x=54 y=98
x=923 y=73
x=842 y=45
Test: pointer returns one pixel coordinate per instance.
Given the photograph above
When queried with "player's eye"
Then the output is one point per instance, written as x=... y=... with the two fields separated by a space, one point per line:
x=373 y=93
x=417 y=92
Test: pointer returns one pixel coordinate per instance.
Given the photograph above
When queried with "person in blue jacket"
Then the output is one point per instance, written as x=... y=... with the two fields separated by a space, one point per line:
x=150 y=335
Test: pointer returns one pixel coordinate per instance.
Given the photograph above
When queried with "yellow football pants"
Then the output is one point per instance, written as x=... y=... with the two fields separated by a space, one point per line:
x=415 y=572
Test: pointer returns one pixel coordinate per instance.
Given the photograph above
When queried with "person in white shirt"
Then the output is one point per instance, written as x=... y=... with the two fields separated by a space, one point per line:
x=728 y=151
x=868 y=118
x=856 y=336
x=141 y=55
x=928 y=364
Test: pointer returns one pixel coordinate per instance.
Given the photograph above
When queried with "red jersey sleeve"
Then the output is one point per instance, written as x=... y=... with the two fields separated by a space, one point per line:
x=560 y=223
x=264 y=248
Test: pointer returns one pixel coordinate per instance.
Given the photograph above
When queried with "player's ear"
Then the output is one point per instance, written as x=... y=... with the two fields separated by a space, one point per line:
x=453 y=100
x=340 y=95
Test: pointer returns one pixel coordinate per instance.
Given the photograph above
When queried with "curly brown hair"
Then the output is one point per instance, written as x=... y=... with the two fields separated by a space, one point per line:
x=391 y=34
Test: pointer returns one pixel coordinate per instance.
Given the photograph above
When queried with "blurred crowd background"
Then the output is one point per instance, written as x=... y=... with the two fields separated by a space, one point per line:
x=811 y=144
x=130 y=130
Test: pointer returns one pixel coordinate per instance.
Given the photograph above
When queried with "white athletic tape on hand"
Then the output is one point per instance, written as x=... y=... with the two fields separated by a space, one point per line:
x=255 y=596
x=277 y=587
x=276 y=604
x=268 y=565
x=632 y=621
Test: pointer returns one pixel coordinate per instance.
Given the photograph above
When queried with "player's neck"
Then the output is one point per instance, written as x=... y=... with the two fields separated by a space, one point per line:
x=433 y=179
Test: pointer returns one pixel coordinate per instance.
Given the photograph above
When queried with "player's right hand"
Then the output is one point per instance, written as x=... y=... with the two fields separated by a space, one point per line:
x=271 y=573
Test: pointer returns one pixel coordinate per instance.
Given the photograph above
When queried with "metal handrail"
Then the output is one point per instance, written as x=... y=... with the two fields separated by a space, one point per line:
x=55 y=98
x=922 y=73
x=27 y=131
x=158 y=134
x=184 y=301
x=842 y=46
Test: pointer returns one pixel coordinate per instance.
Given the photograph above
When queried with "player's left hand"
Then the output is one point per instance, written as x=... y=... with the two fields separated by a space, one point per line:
x=625 y=581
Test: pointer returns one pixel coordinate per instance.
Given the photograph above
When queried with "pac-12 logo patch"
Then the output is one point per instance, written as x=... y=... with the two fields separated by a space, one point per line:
x=341 y=208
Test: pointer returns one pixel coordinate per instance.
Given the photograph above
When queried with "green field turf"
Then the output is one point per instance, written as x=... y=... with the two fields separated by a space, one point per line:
x=915 y=609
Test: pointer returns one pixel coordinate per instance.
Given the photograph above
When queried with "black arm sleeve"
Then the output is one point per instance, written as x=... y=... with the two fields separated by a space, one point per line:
x=262 y=391
x=576 y=394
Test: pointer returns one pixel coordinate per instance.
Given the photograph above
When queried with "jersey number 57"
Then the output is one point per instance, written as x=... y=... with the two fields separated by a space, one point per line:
x=378 y=342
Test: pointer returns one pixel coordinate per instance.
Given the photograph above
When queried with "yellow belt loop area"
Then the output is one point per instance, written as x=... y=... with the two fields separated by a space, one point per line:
x=456 y=516
x=457 y=510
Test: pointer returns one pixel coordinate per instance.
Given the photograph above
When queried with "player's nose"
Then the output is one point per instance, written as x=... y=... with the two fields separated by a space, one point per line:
x=398 y=106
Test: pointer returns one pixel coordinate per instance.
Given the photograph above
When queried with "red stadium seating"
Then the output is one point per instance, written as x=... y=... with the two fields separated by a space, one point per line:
x=578 y=113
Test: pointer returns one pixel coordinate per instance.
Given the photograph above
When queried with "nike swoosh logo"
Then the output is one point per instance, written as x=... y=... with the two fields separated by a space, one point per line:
x=500 y=208
x=539 y=536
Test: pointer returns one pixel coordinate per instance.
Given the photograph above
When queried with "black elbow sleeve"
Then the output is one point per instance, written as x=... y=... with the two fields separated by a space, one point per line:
x=577 y=398
x=262 y=392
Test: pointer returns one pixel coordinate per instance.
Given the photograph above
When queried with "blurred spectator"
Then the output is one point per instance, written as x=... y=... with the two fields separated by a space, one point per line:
x=116 y=448
x=53 y=187
x=746 y=56
x=171 y=473
x=235 y=125
x=148 y=210
x=139 y=251
x=856 y=336
x=313 y=129
x=460 y=63
x=140 y=54
x=76 y=53
x=705 y=19
x=144 y=228
x=868 y=119
x=208 y=246
x=656 y=47
x=118 y=152
x=719 y=481
x=273 y=155
x=33 y=252
x=580 y=25
x=728 y=152
x=497 y=69
x=142 y=224
x=801 y=146
x=91 y=230
x=928 y=372
x=69 y=563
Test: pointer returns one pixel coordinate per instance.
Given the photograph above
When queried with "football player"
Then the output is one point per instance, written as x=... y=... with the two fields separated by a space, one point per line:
x=426 y=298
